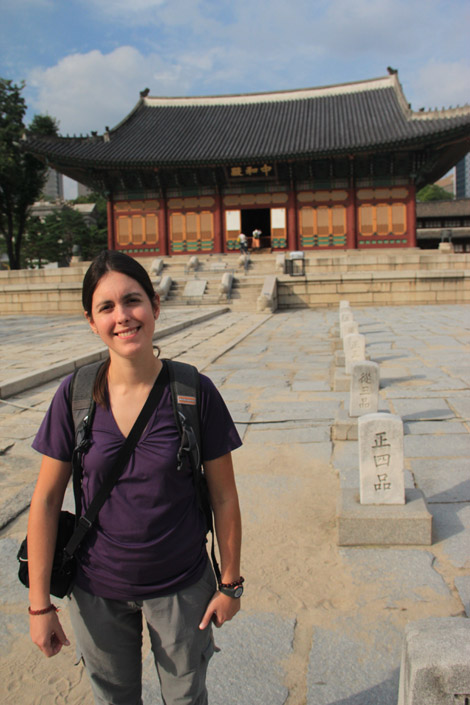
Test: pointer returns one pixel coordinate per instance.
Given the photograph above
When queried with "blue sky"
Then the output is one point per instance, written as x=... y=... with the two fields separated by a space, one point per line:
x=85 y=61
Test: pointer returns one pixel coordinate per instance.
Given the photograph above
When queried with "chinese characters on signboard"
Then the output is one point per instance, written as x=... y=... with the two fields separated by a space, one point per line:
x=264 y=170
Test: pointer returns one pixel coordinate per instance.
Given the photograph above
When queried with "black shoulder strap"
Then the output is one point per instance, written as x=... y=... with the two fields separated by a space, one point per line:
x=83 y=410
x=81 y=391
x=185 y=387
x=186 y=399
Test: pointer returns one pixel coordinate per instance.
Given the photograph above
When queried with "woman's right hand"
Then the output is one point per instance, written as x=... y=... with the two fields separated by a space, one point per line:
x=45 y=629
x=47 y=633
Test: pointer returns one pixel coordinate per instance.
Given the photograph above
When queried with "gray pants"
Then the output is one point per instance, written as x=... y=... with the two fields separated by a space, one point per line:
x=109 y=637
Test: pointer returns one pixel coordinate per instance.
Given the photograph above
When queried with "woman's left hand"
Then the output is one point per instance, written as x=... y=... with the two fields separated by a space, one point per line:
x=220 y=609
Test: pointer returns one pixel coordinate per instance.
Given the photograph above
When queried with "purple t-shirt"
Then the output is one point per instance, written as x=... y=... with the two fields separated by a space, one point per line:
x=149 y=537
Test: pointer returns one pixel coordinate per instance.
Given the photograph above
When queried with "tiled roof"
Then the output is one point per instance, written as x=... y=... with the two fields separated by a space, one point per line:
x=343 y=119
x=433 y=209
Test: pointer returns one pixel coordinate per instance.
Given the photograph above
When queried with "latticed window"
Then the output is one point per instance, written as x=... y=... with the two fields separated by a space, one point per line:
x=136 y=223
x=323 y=226
x=382 y=219
x=177 y=227
x=191 y=231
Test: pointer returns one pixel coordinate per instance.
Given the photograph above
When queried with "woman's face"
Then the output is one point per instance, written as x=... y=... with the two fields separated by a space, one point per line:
x=123 y=315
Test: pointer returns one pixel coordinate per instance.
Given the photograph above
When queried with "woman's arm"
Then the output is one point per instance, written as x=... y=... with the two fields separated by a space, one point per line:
x=224 y=500
x=46 y=631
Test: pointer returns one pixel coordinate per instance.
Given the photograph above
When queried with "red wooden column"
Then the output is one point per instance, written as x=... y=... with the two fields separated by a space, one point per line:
x=351 y=220
x=411 y=216
x=292 y=228
x=111 y=231
x=163 y=232
x=218 y=224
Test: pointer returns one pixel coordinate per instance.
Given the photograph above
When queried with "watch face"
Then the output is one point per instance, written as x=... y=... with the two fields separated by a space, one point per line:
x=238 y=591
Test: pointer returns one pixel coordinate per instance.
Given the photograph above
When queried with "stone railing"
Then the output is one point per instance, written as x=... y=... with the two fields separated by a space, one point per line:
x=268 y=298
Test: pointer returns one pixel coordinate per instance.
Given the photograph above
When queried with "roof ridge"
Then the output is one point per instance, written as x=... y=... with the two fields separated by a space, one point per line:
x=271 y=96
x=437 y=114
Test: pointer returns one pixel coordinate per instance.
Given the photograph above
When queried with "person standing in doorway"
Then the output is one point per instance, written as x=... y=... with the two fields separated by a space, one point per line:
x=256 y=235
x=243 y=243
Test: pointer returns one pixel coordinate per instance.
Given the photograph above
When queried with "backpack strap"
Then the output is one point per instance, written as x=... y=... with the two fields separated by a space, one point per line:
x=83 y=408
x=81 y=391
x=185 y=390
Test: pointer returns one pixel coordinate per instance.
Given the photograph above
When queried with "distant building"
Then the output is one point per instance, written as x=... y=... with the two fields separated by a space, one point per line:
x=87 y=211
x=83 y=190
x=54 y=187
x=438 y=221
x=448 y=182
x=333 y=167
x=41 y=209
x=462 y=171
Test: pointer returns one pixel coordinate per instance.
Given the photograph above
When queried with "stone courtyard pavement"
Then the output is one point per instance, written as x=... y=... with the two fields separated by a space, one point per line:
x=320 y=624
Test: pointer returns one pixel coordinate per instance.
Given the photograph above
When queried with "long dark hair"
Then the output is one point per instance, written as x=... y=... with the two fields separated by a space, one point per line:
x=112 y=261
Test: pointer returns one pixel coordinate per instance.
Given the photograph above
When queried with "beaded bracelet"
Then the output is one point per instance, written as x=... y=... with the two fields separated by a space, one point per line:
x=46 y=610
x=235 y=583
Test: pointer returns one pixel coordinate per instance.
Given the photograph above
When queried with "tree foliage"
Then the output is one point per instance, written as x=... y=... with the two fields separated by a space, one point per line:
x=54 y=238
x=22 y=176
x=433 y=192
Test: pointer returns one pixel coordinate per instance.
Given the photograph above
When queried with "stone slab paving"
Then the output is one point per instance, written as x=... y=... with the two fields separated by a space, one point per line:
x=32 y=343
x=463 y=585
x=256 y=676
x=320 y=625
x=346 y=669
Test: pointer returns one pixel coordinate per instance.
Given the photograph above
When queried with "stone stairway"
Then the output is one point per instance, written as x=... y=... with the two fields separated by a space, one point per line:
x=246 y=286
x=364 y=277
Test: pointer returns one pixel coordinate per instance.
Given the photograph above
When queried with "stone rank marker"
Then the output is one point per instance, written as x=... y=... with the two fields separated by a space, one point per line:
x=381 y=466
x=354 y=350
x=364 y=389
x=350 y=328
x=345 y=316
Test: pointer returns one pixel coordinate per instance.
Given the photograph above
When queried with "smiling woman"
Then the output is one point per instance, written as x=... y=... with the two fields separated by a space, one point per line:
x=146 y=554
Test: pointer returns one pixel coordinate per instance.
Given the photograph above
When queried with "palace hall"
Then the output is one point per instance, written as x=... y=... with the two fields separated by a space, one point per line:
x=335 y=167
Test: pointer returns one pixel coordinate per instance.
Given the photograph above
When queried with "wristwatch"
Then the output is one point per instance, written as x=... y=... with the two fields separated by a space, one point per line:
x=234 y=589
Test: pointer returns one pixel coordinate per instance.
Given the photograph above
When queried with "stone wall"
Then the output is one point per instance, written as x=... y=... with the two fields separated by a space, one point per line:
x=375 y=289
x=364 y=278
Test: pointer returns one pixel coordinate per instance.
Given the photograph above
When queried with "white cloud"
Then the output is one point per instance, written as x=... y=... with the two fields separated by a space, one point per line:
x=216 y=46
x=89 y=91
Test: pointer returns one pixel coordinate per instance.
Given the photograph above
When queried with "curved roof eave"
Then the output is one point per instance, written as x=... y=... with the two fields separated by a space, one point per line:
x=411 y=143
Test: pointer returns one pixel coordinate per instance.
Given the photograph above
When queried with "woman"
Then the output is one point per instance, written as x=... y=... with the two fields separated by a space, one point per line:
x=146 y=553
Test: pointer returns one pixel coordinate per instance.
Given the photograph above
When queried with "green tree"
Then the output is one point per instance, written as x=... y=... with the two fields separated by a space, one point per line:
x=22 y=176
x=433 y=192
x=96 y=239
x=53 y=239
x=37 y=246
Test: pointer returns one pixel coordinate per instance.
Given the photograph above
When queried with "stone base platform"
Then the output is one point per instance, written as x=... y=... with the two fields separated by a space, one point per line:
x=337 y=343
x=341 y=381
x=383 y=525
x=344 y=427
x=435 y=662
x=340 y=359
